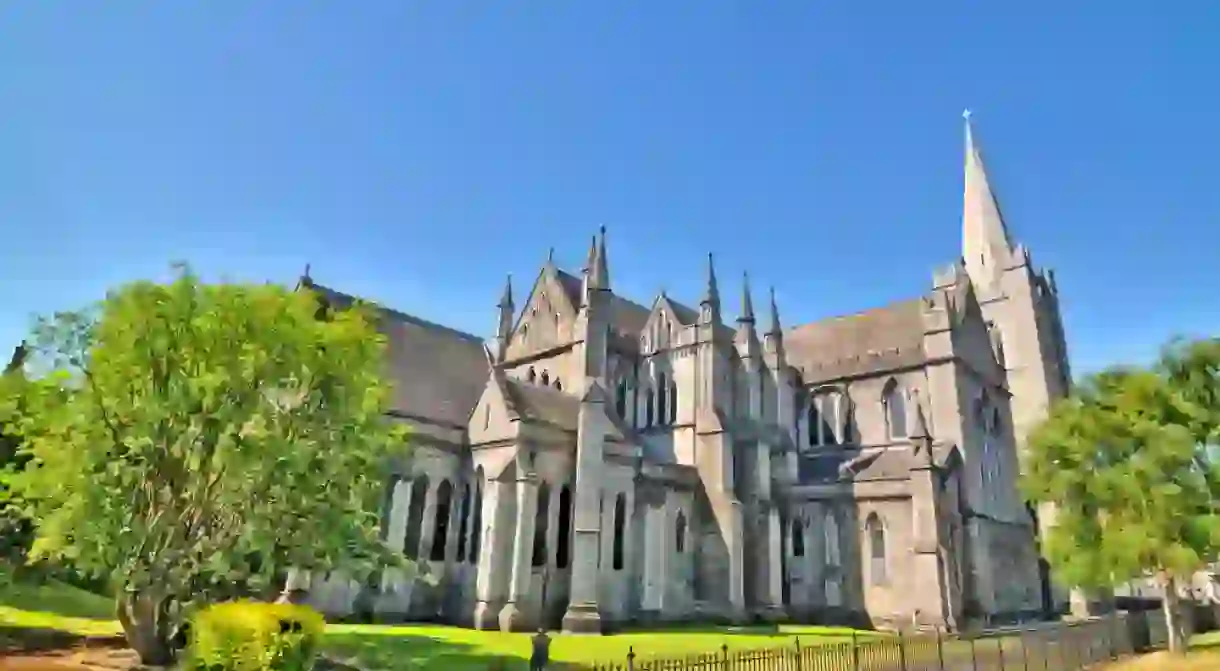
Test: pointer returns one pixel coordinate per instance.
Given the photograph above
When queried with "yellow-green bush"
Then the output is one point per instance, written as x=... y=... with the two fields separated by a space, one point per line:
x=254 y=636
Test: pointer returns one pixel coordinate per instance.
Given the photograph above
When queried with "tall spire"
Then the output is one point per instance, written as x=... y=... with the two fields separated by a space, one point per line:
x=711 y=295
x=600 y=271
x=747 y=305
x=506 y=299
x=775 y=326
x=986 y=245
x=504 y=325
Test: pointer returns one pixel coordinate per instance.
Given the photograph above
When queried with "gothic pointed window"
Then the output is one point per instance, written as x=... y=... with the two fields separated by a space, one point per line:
x=440 y=526
x=895 y=410
x=648 y=407
x=798 y=538
x=476 y=525
x=662 y=405
x=464 y=521
x=563 y=548
x=876 y=546
x=814 y=420
x=673 y=401
x=680 y=533
x=415 y=517
x=830 y=418
x=541 y=517
x=831 y=531
x=620 y=520
x=620 y=398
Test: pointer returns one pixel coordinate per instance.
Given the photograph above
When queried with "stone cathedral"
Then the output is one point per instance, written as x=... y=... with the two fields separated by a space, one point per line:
x=603 y=462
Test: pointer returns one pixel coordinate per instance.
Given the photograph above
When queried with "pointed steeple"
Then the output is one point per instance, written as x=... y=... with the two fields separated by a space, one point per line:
x=600 y=272
x=747 y=305
x=506 y=299
x=504 y=327
x=986 y=244
x=775 y=329
x=711 y=295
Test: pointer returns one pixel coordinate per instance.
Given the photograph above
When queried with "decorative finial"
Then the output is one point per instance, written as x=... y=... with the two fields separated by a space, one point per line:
x=306 y=275
x=966 y=114
x=602 y=230
x=550 y=255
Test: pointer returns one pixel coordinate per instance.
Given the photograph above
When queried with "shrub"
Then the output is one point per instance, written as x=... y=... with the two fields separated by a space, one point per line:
x=254 y=636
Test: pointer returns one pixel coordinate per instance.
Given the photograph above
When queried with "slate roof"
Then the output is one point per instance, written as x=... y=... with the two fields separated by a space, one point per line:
x=438 y=373
x=542 y=403
x=876 y=340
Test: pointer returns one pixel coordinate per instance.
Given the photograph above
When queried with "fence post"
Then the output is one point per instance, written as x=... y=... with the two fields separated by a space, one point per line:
x=724 y=655
x=855 y=651
x=630 y=658
x=902 y=651
x=974 y=654
x=1024 y=652
x=797 y=639
x=940 y=651
x=999 y=645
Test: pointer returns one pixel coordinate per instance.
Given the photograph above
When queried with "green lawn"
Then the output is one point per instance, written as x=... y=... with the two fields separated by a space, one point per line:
x=57 y=606
x=54 y=605
x=437 y=647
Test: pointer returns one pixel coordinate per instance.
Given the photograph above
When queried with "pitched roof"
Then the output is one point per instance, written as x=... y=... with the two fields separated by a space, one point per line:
x=542 y=403
x=872 y=341
x=437 y=372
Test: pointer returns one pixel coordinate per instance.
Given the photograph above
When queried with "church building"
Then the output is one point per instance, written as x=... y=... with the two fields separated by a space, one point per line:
x=603 y=462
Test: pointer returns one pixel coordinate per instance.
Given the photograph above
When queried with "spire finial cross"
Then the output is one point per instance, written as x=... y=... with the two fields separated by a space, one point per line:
x=966 y=114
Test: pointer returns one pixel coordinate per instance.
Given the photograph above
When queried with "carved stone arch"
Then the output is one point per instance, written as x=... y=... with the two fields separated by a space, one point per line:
x=894 y=400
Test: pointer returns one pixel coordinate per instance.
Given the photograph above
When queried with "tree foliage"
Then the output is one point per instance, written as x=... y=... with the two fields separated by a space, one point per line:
x=189 y=436
x=1129 y=462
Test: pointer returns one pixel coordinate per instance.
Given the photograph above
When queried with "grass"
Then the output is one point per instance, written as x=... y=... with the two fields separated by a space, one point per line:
x=437 y=647
x=53 y=605
x=1204 y=655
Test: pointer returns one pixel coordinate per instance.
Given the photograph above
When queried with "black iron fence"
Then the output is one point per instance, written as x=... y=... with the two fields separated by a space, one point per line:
x=1048 y=647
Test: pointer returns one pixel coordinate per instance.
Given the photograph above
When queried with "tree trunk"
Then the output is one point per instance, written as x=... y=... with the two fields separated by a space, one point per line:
x=148 y=626
x=1175 y=622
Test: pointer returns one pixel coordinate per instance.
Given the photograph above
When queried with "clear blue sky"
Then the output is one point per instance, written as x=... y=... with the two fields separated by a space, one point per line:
x=415 y=152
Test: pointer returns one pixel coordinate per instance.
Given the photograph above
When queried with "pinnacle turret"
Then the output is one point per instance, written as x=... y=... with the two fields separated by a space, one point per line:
x=747 y=305
x=775 y=329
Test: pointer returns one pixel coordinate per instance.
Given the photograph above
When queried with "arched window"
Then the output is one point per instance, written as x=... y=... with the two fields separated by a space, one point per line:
x=415 y=517
x=533 y=377
x=648 y=407
x=876 y=546
x=798 y=538
x=620 y=519
x=895 y=410
x=680 y=533
x=673 y=402
x=387 y=505
x=563 y=551
x=476 y=526
x=849 y=421
x=546 y=378
x=440 y=527
x=620 y=398
x=814 y=420
x=831 y=530
x=822 y=416
x=541 y=517
x=463 y=524
x=662 y=407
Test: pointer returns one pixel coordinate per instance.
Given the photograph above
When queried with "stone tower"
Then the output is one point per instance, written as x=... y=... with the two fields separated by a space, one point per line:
x=1021 y=305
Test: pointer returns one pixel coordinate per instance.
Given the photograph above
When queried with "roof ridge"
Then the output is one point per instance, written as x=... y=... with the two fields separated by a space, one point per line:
x=906 y=302
x=418 y=321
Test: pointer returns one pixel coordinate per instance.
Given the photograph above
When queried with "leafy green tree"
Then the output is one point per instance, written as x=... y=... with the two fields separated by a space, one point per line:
x=1130 y=465
x=190 y=436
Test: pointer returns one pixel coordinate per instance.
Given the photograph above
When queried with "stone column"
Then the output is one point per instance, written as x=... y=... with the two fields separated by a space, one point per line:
x=513 y=617
x=494 y=547
x=427 y=524
x=775 y=562
x=400 y=500
x=583 y=614
x=734 y=540
x=653 y=574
